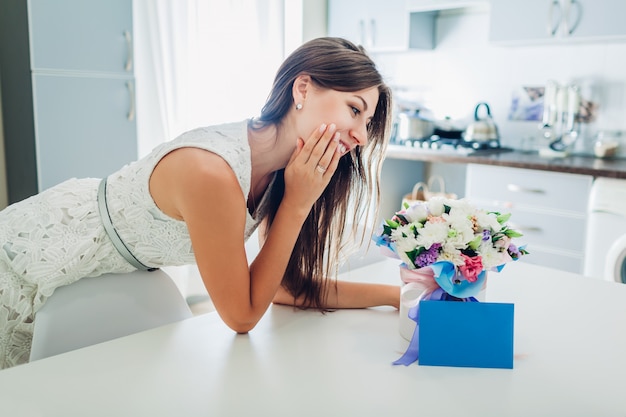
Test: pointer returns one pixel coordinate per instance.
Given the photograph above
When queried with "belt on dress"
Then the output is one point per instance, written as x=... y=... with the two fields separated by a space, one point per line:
x=103 y=209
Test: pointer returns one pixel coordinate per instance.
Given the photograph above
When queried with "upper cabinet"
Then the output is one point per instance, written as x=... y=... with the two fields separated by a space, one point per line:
x=68 y=91
x=381 y=26
x=431 y=5
x=556 y=20
x=78 y=35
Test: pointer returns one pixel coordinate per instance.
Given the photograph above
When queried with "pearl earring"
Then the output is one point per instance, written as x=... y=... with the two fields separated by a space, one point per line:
x=299 y=106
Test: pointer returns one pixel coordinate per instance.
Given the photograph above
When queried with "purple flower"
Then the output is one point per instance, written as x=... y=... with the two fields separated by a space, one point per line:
x=486 y=235
x=429 y=256
x=514 y=251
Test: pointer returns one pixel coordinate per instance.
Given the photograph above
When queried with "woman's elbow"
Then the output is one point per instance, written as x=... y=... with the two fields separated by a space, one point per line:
x=240 y=325
x=241 y=328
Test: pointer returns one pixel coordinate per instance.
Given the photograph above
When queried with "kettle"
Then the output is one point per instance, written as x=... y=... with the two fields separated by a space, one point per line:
x=481 y=129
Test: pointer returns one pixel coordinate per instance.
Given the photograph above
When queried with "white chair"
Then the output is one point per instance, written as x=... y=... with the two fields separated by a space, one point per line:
x=94 y=310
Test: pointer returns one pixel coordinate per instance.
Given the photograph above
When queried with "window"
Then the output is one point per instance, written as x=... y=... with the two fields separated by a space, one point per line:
x=203 y=62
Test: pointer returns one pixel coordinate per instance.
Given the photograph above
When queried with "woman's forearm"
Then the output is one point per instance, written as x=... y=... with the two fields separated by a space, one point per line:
x=268 y=267
x=347 y=294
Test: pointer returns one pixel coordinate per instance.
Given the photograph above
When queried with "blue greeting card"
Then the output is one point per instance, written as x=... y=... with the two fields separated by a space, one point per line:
x=468 y=334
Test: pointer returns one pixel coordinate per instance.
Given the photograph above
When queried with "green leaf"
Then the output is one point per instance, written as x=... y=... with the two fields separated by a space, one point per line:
x=512 y=233
x=415 y=253
x=475 y=243
x=402 y=218
x=503 y=218
x=392 y=224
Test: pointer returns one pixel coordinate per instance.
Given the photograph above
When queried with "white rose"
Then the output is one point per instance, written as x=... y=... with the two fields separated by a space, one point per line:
x=416 y=213
x=435 y=206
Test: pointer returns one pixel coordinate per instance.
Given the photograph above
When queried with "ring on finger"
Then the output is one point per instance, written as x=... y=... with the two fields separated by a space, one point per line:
x=320 y=169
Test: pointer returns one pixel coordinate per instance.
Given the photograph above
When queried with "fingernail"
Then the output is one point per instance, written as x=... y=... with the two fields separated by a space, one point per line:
x=332 y=127
x=322 y=127
x=336 y=137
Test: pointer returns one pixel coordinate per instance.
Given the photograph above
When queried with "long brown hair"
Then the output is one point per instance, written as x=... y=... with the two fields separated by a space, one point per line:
x=337 y=64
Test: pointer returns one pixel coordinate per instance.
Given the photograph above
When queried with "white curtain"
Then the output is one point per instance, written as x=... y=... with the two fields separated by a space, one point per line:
x=202 y=62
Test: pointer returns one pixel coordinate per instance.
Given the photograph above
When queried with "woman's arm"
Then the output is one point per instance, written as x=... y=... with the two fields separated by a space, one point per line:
x=348 y=294
x=200 y=188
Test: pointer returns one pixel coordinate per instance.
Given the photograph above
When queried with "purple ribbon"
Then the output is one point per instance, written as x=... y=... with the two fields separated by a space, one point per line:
x=412 y=353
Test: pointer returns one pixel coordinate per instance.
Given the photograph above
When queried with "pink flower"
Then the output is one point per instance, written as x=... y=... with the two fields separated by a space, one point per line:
x=471 y=268
x=502 y=243
x=435 y=219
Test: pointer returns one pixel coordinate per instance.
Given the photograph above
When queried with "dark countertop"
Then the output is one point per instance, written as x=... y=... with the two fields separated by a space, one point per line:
x=585 y=165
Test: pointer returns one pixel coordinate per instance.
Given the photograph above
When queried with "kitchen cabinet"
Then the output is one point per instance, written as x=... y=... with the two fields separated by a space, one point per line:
x=549 y=208
x=435 y=5
x=67 y=89
x=381 y=26
x=397 y=179
x=556 y=20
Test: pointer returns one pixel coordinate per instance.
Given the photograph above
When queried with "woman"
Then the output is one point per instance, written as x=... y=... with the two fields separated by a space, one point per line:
x=297 y=170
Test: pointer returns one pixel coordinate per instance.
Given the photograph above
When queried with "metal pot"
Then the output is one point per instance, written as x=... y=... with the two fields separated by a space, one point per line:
x=483 y=129
x=412 y=126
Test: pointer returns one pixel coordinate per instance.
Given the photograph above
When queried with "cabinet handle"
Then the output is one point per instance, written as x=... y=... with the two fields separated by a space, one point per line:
x=372 y=32
x=552 y=26
x=131 y=94
x=519 y=189
x=129 y=51
x=573 y=4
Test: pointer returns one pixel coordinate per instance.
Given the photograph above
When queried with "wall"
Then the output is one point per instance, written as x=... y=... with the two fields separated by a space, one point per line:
x=313 y=19
x=465 y=68
x=3 y=182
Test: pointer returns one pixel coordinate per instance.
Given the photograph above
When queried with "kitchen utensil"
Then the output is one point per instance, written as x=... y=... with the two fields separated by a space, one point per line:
x=562 y=117
x=412 y=126
x=483 y=129
x=447 y=128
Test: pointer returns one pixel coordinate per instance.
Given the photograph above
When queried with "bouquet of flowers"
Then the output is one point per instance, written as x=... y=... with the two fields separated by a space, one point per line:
x=446 y=247
x=453 y=238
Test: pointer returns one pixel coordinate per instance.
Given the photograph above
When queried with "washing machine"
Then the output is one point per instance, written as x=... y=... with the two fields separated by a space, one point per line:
x=605 y=249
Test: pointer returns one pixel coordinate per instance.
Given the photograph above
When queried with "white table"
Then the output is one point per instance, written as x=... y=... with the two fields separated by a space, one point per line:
x=570 y=339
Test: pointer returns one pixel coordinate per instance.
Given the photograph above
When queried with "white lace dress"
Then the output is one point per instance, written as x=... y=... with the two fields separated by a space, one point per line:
x=56 y=237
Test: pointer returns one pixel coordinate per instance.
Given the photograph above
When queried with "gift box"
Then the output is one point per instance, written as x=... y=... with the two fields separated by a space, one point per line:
x=468 y=334
x=447 y=247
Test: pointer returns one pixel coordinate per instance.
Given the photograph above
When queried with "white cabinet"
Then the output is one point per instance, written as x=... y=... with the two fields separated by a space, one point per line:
x=83 y=127
x=67 y=91
x=77 y=35
x=433 y=5
x=381 y=26
x=552 y=20
x=549 y=208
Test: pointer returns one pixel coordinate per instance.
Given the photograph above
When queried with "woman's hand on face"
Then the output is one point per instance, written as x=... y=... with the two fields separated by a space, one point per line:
x=311 y=167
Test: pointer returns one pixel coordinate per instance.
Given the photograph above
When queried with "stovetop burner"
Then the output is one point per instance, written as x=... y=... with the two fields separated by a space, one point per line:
x=456 y=145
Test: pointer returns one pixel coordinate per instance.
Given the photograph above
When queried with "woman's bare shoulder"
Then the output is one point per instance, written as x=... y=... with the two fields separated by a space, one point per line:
x=188 y=178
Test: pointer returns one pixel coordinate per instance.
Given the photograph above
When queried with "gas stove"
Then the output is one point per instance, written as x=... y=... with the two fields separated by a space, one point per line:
x=437 y=144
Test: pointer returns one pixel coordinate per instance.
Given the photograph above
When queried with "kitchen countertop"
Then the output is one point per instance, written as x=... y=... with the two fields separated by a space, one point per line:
x=585 y=165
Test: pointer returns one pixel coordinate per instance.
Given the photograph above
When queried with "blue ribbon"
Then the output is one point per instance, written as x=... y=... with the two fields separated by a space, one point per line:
x=445 y=274
x=412 y=353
